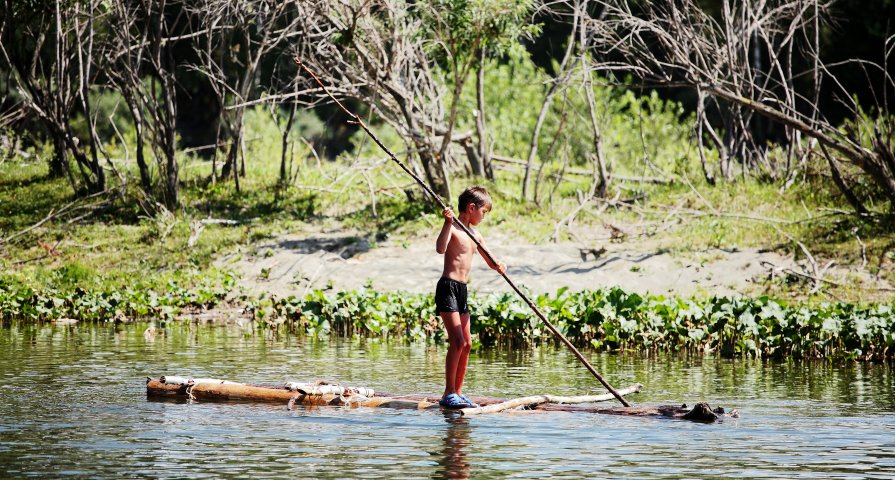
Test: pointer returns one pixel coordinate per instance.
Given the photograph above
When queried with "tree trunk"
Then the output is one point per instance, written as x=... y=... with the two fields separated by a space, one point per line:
x=700 y=121
x=59 y=165
x=84 y=65
x=442 y=156
x=284 y=175
x=165 y=64
x=592 y=108
x=430 y=168
x=840 y=183
x=545 y=106
x=475 y=161
x=483 y=162
x=59 y=161
x=145 y=180
x=172 y=184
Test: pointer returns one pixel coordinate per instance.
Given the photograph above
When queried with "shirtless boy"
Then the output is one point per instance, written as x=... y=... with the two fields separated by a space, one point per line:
x=450 y=292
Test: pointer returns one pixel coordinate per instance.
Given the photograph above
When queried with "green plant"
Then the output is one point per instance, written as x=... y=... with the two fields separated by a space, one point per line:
x=612 y=319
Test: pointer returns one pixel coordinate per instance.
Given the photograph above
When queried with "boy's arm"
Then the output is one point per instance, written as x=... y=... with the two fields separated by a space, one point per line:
x=444 y=237
x=486 y=254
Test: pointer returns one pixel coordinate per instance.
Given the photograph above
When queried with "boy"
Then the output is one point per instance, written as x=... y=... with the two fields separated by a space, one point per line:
x=450 y=292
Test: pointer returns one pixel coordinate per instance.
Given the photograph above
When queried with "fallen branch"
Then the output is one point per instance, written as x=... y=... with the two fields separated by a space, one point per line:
x=224 y=221
x=773 y=267
x=539 y=399
x=701 y=213
x=54 y=213
x=50 y=252
x=790 y=271
x=195 y=230
x=567 y=221
x=818 y=274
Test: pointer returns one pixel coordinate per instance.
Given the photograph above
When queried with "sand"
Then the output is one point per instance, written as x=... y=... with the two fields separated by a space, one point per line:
x=296 y=263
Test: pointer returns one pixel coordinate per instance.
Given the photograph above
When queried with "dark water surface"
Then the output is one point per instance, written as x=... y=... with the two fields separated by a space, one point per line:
x=73 y=404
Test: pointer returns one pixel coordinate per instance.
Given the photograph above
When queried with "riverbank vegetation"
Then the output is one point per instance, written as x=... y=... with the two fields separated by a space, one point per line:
x=606 y=319
x=610 y=319
x=185 y=134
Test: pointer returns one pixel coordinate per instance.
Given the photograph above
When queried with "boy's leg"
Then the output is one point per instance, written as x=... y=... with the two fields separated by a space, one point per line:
x=454 y=327
x=464 y=352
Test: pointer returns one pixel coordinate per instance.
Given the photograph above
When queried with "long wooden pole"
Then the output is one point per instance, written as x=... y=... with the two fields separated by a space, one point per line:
x=358 y=121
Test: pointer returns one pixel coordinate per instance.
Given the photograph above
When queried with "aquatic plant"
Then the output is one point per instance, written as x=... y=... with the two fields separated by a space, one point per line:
x=133 y=302
x=612 y=319
x=605 y=319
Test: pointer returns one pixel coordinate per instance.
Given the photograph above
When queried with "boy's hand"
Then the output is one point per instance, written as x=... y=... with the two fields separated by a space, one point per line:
x=448 y=214
x=500 y=267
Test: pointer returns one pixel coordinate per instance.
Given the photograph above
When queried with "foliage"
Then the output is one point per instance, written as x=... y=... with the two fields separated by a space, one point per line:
x=641 y=130
x=608 y=319
x=184 y=292
x=605 y=319
x=455 y=30
x=364 y=312
x=864 y=128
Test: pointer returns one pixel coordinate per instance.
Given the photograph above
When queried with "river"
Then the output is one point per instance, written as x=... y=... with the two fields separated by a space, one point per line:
x=73 y=404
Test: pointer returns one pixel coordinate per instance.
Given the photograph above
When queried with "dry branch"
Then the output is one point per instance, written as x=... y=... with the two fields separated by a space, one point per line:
x=742 y=59
x=56 y=213
x=539 y=399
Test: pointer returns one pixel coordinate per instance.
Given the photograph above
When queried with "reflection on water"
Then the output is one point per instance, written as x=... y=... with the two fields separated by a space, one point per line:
x=72 y=403
x=452 y=461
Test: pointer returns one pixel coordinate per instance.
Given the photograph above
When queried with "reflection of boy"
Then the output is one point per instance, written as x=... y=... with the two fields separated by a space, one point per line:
x=450 y=292
x=452 y=459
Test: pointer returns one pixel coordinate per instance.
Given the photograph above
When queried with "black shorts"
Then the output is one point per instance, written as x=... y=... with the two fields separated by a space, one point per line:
x=450 y=296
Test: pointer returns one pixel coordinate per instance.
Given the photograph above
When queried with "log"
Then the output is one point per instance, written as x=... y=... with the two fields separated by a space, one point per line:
x=279 y=394
x=701 y=412
x=584 y=173
x=238 y=391
x=156 y=388
x=390 y=402
x=539 y=399
x=249 y=392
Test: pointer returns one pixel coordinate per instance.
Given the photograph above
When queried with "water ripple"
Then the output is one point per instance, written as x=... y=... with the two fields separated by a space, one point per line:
x=73 y=404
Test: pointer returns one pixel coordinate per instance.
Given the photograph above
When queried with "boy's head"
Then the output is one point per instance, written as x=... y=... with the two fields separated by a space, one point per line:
x=477 y=196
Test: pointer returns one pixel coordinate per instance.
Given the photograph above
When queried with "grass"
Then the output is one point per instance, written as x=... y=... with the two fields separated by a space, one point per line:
x=111 y=249
x=366 y=193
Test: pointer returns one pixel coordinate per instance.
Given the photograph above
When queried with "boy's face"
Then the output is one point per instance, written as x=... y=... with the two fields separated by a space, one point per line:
x=476 y=214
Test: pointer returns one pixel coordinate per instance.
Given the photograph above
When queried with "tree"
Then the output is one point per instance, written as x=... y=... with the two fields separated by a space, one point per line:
x=49 y=51
x=744 y=63
x=239 y=35
x=142 y=68
x=462 y=35
x=390 y=55
x=372 y=51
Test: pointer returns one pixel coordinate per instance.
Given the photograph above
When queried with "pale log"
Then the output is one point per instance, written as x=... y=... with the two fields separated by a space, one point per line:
x=539 y=399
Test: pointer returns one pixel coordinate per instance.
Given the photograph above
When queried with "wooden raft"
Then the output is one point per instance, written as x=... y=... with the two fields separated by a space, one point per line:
x=157 y=388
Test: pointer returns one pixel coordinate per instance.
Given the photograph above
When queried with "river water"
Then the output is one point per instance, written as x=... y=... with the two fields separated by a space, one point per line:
x=73 y=404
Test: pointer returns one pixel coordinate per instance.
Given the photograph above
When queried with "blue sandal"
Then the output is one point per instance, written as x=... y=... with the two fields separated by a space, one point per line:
x=454 y=401
x=468 y=400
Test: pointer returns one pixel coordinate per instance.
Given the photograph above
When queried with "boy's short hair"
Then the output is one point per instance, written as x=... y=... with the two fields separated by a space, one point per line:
x=475 y=195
